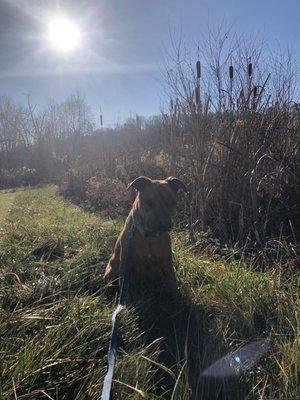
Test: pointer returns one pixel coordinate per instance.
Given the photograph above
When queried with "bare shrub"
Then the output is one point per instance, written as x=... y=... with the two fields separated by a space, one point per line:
x=106 y=194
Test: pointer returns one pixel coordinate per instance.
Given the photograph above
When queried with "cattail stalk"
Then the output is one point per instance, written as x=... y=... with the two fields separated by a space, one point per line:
x=197 y=95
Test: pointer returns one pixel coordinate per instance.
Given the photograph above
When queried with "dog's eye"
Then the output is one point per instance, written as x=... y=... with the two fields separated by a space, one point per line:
x=150 y=203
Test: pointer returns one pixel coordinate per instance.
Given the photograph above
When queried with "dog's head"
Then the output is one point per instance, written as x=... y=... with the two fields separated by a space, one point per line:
x=155 y=203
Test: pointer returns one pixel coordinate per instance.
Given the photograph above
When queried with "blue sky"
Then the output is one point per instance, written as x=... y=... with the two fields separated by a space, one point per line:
x=120 y=61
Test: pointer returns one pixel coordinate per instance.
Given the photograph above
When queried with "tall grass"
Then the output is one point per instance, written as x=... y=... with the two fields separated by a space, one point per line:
x=55 y=320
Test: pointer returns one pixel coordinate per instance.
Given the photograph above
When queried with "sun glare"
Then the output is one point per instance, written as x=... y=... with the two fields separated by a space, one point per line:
x=63 y=34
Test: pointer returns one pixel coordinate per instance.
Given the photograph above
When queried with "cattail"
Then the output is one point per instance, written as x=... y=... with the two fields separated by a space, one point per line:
x=171 y=104
x=231 y=72
x=255 y=89
x=250 y=69
x=101 y=120
x=198 y=68
x=197 y=95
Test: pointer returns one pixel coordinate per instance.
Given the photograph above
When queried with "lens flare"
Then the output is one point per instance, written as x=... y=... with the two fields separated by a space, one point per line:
x=63 y=34
x=239 y=361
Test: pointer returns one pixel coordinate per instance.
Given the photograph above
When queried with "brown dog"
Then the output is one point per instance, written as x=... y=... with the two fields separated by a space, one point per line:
x=148 y=225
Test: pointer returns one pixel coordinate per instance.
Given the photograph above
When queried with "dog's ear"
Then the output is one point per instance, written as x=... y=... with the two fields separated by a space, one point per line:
x=139 y=183
x=176 y=184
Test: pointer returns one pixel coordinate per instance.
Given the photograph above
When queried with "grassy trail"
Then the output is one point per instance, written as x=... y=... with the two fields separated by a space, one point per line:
x=55 y=321
x=6 y=200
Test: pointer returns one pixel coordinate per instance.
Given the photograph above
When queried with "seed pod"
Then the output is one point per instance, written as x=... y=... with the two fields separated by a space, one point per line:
x=231 y=72
x=101 y=120
x=198 y=68
x=197 y=95
x=250 y=69
x=171 y=104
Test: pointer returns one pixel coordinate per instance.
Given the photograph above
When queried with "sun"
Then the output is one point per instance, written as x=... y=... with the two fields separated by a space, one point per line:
x=63 y=34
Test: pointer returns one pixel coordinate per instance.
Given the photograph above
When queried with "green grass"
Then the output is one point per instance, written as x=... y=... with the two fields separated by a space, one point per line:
x=55 y=320
x=6 y=199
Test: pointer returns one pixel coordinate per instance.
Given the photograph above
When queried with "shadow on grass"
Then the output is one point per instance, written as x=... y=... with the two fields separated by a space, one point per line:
x=187 y=344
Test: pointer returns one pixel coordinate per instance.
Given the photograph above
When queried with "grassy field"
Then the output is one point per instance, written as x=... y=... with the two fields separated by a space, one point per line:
x=55 y=320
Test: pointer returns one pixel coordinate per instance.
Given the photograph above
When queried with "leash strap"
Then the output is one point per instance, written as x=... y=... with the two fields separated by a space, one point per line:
x=112 y=349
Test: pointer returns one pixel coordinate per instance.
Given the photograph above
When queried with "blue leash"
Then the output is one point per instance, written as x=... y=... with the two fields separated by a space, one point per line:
x=112 y=349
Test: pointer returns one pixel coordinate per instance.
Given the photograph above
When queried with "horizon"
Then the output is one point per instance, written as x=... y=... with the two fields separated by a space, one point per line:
x=119 y=64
